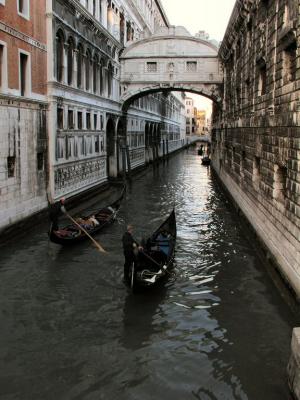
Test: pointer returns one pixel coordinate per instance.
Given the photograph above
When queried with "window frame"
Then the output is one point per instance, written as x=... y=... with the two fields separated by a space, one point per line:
x=26 y=14
x=27 y=91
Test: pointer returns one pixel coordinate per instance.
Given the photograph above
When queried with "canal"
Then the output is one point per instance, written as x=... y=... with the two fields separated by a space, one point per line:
x=218 y=329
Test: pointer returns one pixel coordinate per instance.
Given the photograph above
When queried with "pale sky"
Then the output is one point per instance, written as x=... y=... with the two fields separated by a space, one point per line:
x=212 y=16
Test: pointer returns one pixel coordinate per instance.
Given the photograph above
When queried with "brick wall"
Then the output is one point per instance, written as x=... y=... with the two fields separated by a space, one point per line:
x=256 y=137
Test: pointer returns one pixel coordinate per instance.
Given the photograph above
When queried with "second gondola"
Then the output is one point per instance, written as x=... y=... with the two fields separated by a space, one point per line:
x=91 y=223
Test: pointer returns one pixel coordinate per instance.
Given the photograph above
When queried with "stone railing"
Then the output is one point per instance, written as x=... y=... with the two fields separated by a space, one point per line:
x=76 y=176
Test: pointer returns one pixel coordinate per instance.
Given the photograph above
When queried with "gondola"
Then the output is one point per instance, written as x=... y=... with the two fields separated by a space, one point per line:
x=155 y=260
x=205 y=160
x=92 y=223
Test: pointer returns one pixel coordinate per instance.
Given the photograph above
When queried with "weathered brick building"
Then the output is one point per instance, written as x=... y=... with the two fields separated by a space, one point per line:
x=23 y=139
x=256 y=140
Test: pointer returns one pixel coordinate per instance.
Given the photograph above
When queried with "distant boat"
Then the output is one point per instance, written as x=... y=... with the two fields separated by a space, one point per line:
x=156 y=258
x=92 y=223
x=205 y=160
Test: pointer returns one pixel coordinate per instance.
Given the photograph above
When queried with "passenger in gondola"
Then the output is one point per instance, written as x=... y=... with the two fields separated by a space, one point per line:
x=130 y=249
x=55 y=211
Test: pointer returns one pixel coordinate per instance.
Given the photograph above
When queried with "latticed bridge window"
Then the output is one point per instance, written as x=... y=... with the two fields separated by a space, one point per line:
x=151 y=66
x=191 y=66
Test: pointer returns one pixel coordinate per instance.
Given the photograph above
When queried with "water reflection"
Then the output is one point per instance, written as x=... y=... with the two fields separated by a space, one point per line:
x=139 y=317
x=217 y=329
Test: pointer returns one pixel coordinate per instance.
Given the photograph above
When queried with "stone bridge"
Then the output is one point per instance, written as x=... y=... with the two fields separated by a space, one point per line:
x=170 y=60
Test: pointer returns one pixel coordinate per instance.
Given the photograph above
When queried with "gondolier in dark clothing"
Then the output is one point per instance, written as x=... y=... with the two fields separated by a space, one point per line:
x=130 y=246
x=55 y=211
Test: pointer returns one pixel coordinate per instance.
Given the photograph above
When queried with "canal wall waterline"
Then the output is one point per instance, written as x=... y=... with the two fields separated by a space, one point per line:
x=279 y=245
x=293 y=369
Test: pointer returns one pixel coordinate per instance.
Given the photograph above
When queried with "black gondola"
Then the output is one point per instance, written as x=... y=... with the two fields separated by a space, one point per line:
x=156 y=258
x=92 y=223
x=205 y=160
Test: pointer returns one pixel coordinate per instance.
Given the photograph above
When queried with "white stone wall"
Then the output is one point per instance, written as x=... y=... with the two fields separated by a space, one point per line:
x=22 y=136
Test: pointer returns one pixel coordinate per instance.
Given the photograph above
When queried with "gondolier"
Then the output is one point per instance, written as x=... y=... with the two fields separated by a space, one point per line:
x=55 y=211
x=130 y=246
x=156 y=258
x=90 y=223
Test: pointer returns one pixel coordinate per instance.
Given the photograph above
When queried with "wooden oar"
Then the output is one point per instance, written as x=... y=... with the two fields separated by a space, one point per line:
x=99 y=247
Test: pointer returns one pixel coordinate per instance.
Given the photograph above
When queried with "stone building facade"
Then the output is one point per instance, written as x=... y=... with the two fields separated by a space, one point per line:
x=23 y=110
x=87 y=128
x=256 y=135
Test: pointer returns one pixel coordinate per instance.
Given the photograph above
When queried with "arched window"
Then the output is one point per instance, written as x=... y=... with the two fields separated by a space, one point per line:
x=87 y=70
x=109 y=79
x=70 y=60
x=79 y=65
x=59 y=55
x=95 y=74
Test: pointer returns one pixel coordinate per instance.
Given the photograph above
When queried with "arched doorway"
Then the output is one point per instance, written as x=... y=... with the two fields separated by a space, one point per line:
x=110 y=147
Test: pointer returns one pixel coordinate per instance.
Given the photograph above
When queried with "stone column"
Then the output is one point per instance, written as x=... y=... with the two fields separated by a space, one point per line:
x=75 y=67
x=97 y=14
x=104 y=13
x=65 y=64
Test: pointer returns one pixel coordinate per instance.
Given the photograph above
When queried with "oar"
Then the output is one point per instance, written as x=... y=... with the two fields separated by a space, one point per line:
x=100 y=248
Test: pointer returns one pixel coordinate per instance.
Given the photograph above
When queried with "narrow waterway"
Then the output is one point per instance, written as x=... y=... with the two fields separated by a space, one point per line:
x=218 y=329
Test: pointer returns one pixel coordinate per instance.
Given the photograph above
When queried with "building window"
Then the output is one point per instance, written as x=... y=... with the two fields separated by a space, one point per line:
x=256 y=177
x=88 y=61
x=79 y=120
x=279 y=189
x=110 y=80
x=79 y=66
x=59 y=56
x=24 y=74
x=262 y=83
x=97 y=144
x=95 y=121
x=88 y=121
x=75 y=147
x=60 y=118
x=23 y=8
x=70 y=61
x=151 y=67
x=191 y=66
x=95 y=74
x=11 y=165
x=3 y=67
x=290 y=63
x=70 y=119
x=83 y=146
x=40 y=161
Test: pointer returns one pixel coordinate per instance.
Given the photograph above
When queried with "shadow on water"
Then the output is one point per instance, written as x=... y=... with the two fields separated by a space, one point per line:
x=139 y=313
